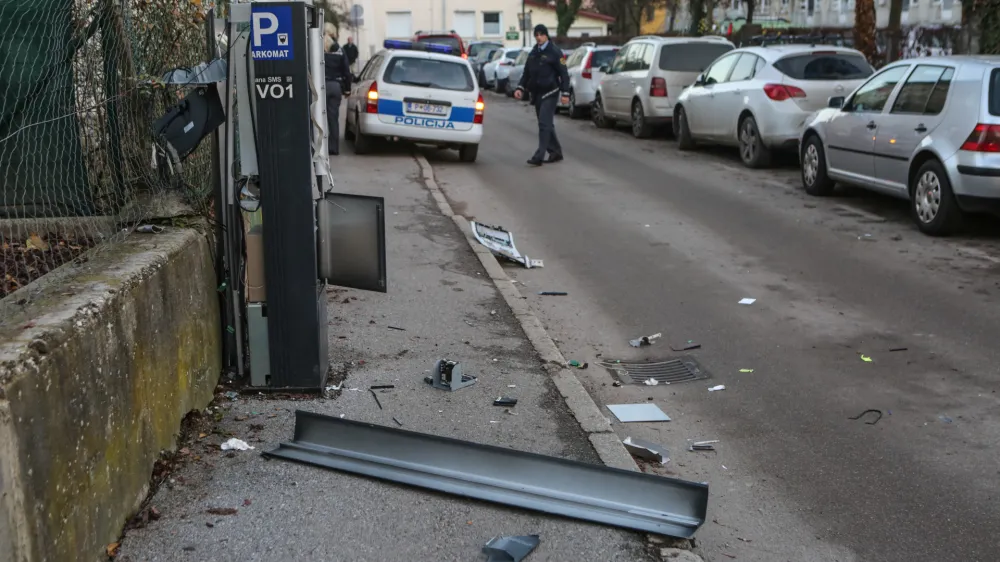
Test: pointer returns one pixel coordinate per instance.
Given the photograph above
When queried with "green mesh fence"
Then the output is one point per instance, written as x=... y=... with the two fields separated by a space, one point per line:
x=79 y=90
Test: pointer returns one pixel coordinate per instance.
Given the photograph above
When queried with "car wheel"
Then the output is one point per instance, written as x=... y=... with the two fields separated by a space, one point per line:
x=814 y=177
x=468 y=153
x=574 y=111
x=362 y=142
x=682 y=131
x=753 y=152
x=507 y=89
x=641 y=129
x=348 y=131
x=933 y=202
x=597 y=115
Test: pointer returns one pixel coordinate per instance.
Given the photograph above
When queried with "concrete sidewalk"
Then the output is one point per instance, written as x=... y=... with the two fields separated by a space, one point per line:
x=448 y=308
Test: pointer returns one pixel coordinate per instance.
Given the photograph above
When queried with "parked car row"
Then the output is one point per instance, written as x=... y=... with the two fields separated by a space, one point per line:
x=926 y=130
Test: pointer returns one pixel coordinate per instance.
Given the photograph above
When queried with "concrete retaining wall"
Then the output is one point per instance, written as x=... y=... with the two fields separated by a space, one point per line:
x=96 y=375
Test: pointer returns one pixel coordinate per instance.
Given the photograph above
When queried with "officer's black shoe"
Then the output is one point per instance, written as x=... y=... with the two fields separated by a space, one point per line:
x=535 y=162
x=553 y=158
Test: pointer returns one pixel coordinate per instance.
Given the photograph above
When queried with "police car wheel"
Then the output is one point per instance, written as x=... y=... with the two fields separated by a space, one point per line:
x=468 y=153
x=575 y=111
x=362 y=142
x=348 y=132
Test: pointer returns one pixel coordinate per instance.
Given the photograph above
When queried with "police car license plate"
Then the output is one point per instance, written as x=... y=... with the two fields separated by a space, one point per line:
x=426 y=108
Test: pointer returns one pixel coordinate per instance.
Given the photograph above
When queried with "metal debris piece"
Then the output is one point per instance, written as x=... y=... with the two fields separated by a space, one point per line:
x=447 y=375
x=510 y=549
x=747 y=301
x=505 y=401
x=149 y=229
x=397 y=328
x=553 y=294
x=717 y=388
x=399 y=423
x=627 y=413
x=862 y=414
x=501 y=243
x=591 y=492
x=703 y=445
x=578 y=365
x=898 y=349
x=381 y=387
x=644 y=340
x=377 y=401
x=647 y=450
x=686 y=346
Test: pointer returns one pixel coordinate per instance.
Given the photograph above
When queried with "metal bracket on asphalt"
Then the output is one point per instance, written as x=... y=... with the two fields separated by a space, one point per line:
x=612 y=496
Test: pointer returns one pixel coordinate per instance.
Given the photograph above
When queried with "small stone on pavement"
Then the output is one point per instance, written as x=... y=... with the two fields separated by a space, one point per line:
x=679 y=555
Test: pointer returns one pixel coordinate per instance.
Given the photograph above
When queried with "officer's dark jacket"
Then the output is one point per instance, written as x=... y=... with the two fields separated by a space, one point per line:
x=337 y=70
x=544 y=71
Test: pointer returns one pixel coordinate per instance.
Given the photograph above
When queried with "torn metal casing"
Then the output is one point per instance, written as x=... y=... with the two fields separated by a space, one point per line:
x=611 y=496
x=447 y=375
x=510 y=549
x=501 y=243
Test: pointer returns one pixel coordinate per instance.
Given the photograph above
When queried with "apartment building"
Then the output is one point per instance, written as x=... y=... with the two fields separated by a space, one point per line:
x=473 y=20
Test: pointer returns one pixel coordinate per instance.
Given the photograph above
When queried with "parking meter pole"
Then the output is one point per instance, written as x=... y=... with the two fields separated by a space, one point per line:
x=296 y=299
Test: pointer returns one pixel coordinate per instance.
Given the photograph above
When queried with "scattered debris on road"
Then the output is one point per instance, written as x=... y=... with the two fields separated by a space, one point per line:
x=397 y=328
x=687 y=346
x=377 y=401
x=628 y=413
x=505 y=401
x=703 y=445
x=717 y=388
x=501 y=243
x=553 y=294
x=447 y=375
x=382 y=387
x=647 y=450
x=510 y=549
x=645 y=340
x=399 y=423
x=746 y=370
x=945 y=418
x=222 y=511
x=747 y=301
x=866 y=412
x=651 y=382
x=898 y=349
x=149 y=229
x=865 y=358
x=235 y=444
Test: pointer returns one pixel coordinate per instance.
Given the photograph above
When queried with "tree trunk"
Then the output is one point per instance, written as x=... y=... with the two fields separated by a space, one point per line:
x=751 y=7
x=673 y=17
x=697 y=10
x=988 y=14
x=864 y=30
x=895 y=31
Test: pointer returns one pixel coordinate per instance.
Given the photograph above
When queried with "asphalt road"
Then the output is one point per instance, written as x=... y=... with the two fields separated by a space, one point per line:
x=648 y=239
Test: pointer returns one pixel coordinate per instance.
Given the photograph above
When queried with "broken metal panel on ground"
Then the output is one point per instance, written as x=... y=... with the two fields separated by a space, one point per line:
x=501 y=243
x=596 y=493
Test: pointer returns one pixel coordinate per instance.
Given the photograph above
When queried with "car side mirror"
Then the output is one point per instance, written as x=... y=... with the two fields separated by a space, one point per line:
x=354 y=78
x=700 y=80
x=836 y=102
x=605 y=69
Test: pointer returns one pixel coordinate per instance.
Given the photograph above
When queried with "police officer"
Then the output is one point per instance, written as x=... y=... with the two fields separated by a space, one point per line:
x=338 y=85
x=546 y=81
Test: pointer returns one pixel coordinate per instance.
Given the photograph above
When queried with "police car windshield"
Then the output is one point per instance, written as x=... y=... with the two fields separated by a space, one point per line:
x=512 y=54
x=429 y=73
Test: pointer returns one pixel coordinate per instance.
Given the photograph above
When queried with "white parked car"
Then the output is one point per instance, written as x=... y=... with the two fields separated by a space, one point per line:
x=419 y=93
x=499 y=67
x=584 y=67
x=760 y=98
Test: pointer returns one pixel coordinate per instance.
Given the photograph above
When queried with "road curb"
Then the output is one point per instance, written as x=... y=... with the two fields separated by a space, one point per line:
x=586 y=412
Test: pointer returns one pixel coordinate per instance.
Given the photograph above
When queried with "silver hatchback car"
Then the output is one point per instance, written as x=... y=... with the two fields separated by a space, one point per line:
x=926 y=130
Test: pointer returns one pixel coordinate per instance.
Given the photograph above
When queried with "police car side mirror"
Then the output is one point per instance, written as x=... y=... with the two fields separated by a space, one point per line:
x=354 y=78
x=605 y=69
x=700 y=80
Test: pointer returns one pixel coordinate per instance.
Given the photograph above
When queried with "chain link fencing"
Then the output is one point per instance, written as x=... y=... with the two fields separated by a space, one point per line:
x=80 y=88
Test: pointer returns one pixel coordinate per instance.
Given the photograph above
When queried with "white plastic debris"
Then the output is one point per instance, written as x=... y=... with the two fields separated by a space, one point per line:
x=647 y=450
x=235 y=444
x=650 y=382
x=717 y=388
x=747 y=301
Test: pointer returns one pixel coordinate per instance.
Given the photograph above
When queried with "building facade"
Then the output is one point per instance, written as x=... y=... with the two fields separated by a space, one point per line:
x=473 y=20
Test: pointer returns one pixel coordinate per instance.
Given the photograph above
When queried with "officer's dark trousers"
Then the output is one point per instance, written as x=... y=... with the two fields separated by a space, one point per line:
x=333 y=96
x=548 y=142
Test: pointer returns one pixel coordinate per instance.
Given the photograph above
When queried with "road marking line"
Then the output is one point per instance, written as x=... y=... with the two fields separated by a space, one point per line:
x=860 y=213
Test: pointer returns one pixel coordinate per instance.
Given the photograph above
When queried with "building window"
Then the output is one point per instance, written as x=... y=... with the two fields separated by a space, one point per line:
x=492 y=24
x=397 y=25
x=464 y=23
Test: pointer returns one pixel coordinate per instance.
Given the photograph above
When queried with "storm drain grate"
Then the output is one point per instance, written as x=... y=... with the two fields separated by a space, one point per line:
x=671 y=371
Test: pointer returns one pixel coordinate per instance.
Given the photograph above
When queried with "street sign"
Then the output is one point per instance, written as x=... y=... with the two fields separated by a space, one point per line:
x=524 y=20
x=356 y=17
x=513 y=36
x=271 y=36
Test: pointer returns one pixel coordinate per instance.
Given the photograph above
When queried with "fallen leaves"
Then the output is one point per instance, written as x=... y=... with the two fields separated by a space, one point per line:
x=112 y=549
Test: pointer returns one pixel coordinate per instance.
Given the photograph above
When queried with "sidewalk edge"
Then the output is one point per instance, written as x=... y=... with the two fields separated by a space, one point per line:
x=580 y=403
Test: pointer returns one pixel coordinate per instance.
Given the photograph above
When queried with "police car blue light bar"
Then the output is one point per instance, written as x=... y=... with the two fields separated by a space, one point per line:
x=411 y=46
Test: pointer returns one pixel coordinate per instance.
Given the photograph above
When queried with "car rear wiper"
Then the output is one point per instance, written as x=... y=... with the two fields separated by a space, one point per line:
x=421 y=84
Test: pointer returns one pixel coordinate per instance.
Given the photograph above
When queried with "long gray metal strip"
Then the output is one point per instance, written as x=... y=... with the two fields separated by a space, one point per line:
x=597 y=493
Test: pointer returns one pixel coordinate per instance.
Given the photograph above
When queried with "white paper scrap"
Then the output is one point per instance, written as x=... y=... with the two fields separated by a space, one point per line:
x=235 y=444
x=747 y=301
x=717 y=388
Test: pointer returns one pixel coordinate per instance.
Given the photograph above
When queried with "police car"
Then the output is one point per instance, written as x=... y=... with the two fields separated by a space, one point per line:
x=416 y=92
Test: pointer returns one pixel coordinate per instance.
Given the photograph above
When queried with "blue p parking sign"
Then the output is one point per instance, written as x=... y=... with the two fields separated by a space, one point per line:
x=271 y=32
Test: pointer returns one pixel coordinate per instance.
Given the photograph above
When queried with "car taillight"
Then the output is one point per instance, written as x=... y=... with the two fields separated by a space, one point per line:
x=371 y=104
x=658 y=88
x=782 y=92
x=984 y=138
x=480 y=109
x=587 y=74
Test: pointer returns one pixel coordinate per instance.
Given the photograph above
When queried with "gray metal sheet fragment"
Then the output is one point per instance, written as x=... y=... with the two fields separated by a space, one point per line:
x=597 y=493
x=510 y=549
